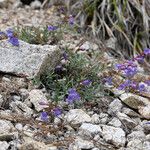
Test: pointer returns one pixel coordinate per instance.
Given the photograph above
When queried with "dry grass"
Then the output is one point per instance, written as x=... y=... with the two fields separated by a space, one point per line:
x=126 y=20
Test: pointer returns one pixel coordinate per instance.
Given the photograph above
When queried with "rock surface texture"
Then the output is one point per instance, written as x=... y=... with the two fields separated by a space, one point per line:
x=27 y=59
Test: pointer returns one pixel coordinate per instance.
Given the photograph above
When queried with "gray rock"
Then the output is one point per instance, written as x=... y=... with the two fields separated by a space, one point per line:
x=103 y=118
x=95 y=119
x=17 y=4
x=28 y=59
x=21 y=108
x=6 y=126
x=138 y=144
x=4 y=145
x=115 y=122
x=136 y=135
x=24 y=93
x=1 y=100
x=115 y=106
x=134 y=101
x=112 y=135
x=89 y=129
x=127 y=121
x=29 y=142
x=3 y=3
x=89 y=46
x=130 y=112
x=83 y=144
x=36 y=96
x=36 y=4
x=77 y=116
x=145 y=111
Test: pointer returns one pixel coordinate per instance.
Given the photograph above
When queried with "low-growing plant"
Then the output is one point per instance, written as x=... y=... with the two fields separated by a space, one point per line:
x=78 y=73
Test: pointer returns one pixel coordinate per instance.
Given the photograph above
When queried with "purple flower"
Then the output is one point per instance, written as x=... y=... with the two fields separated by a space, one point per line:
x=130 y=71
x=147 y=82
x=44 y=116
x=14 y=41
x=71 y=20
x=72 y=96
x=108 y=80
x=133 y=85
x=2 y=33
x=52 y=28
x=147 y=51
x=141 y=87
x=124 y=85
x=10 y=33
x=65 y=55
x=140 y=58
x=57 y=111
x=86 y=82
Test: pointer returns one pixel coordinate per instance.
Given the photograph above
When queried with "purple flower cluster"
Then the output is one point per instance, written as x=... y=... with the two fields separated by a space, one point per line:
x=11 y=38
x=52 y=28
x=128 y=69
x=73 y=95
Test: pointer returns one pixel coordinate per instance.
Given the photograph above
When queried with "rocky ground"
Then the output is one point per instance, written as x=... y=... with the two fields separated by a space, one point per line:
x=120 y=122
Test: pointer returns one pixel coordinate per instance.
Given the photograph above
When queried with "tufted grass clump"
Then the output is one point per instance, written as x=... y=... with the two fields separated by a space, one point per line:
x=126 y=20
x=76 y=77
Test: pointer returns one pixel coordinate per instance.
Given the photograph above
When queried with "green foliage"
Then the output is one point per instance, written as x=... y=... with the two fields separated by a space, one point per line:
x=38 y=35
x=78 y=68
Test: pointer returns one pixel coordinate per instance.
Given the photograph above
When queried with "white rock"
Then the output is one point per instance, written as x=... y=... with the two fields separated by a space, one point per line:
x=77 y=116
x=115 y=122
x=6 y=126
x=89 y=129
x=4 y=145
x=28 y=59
x=115 y=106
x=36 y=96
x=115 y=136
x=95 y=119
x=89 y=46
x=84 y=144
x=19 y=126
x=127 y=121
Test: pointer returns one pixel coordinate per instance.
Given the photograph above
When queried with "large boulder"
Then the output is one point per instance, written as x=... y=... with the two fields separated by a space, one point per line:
x=28 y=59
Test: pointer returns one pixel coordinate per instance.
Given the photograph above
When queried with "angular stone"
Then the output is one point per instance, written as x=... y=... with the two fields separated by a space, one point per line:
x=83 y=144
x=127 y=121
x=77 y=116
x=136 y=135
x=112 y=135
x=34 y=145
x=115 y=122
x=90 y=129
x=4 y=145
x=5 y=126
x=115 y=106
x=134 y=101
x=36 y=96
x=28 y=59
